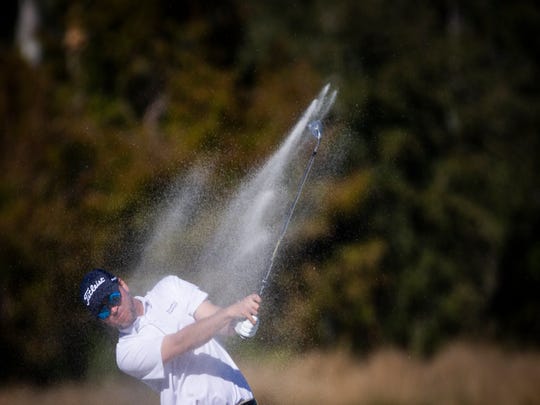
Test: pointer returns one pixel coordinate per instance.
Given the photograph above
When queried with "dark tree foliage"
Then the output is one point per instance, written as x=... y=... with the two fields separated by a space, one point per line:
x=428 y=232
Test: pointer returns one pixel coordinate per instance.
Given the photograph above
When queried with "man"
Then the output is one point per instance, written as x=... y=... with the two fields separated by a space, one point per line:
x=167 y=337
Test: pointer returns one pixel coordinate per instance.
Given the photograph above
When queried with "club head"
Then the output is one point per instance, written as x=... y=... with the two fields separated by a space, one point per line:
x=316 y=128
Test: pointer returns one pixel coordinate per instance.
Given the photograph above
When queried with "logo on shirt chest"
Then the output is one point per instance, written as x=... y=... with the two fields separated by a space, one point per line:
x=172 y=307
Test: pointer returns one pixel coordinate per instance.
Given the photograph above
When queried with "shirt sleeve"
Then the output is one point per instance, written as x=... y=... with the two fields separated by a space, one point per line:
x=189 y=294
x=139 y=355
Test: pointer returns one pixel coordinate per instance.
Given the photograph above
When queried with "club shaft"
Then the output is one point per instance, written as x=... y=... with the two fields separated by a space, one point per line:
x=289 y=217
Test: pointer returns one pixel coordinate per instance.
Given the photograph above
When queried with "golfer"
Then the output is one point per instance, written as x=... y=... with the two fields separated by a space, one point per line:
x=167 y=337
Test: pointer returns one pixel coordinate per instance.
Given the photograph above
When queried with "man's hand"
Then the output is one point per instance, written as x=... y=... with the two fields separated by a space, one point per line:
x=249 y=308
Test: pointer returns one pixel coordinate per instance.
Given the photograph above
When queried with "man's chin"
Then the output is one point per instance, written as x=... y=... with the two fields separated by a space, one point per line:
x=121 y=323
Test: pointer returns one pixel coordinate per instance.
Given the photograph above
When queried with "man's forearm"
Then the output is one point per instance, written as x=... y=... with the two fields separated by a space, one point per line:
x=209 y=320
x=194 y=335
x=206 y=309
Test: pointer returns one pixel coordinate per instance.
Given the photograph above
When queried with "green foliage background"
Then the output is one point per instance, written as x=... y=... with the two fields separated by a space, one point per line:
x=428 y=234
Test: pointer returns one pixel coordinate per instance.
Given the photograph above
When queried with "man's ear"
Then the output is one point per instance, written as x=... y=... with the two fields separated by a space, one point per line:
x=122 y=284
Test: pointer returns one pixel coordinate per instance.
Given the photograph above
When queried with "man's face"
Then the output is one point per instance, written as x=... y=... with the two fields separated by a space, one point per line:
x=124 y=314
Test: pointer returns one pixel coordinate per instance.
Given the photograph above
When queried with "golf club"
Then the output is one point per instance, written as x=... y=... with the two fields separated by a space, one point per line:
x=245 y=328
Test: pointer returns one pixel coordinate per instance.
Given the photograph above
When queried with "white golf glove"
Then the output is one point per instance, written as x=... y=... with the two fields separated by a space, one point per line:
x=245 y=329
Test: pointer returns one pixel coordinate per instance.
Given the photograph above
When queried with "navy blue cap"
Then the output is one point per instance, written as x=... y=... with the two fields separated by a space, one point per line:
x=95 y=287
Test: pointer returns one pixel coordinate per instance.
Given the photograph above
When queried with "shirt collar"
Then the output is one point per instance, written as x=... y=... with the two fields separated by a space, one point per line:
x=139 y=321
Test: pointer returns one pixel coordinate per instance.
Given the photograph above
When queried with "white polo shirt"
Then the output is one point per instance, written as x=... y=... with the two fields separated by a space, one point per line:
x=206 y=375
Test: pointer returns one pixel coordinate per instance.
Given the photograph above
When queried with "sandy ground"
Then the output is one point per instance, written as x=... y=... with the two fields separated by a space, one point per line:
x=460 y=374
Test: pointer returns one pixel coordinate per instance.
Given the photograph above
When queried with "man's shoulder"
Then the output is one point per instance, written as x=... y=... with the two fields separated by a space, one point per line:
x=172 y=283
x=172 y=290
x=168 y=280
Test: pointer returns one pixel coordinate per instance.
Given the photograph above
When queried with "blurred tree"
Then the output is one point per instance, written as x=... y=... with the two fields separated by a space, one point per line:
x=441 y=101
x=428 y=234
x=86 y=139
x=8 y=18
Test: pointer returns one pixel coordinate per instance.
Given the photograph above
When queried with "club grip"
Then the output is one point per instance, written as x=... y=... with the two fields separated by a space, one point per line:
x=245 y=329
